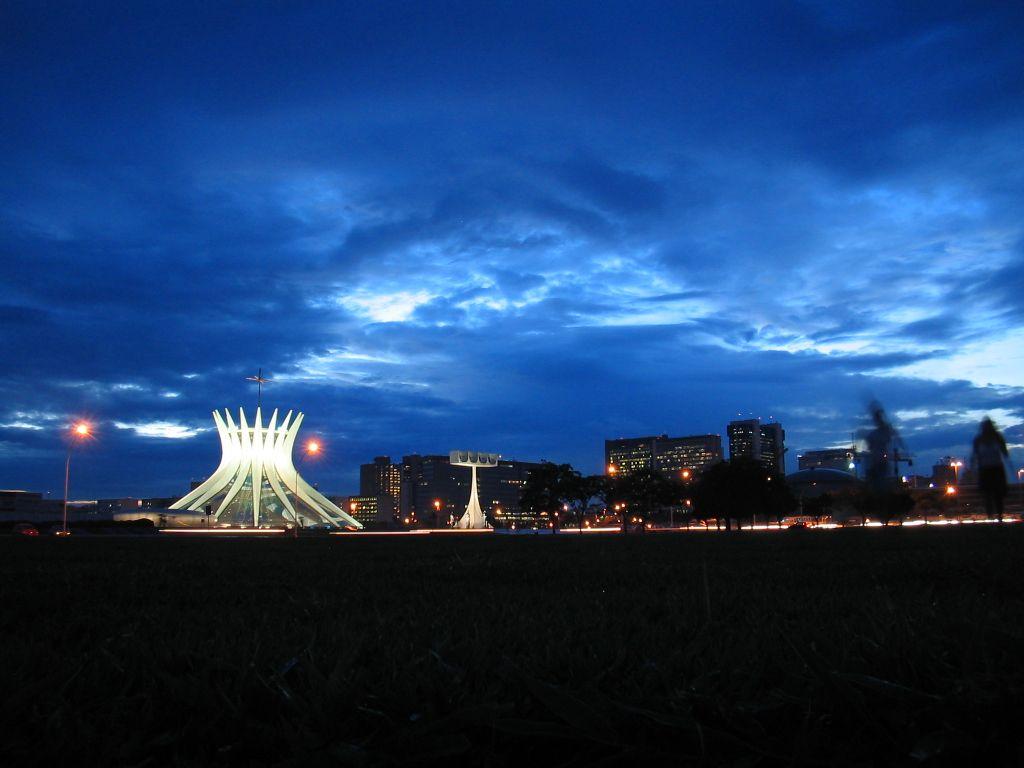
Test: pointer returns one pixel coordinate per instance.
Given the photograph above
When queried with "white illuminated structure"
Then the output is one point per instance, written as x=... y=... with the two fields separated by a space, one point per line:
x=474 y=516
x=256 y=484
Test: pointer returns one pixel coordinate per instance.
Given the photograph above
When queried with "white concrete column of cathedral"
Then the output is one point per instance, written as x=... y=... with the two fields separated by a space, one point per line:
x=257 y=484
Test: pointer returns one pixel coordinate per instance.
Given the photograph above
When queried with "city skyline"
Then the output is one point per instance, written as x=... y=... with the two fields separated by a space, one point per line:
x=523 y=228
x=326 y=471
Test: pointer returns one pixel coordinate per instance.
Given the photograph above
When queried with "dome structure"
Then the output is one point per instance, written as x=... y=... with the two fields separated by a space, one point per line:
x=808 y=483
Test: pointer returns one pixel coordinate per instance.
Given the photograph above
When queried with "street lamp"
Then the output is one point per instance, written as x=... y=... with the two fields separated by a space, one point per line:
x=312 y=448
x=956 y=471
x=79 y=431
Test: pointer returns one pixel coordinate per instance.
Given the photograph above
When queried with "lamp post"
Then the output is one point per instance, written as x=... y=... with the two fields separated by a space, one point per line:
x=1020 y=488
x=79 y=432
x=686 y=474
x=956 y=471
x=312 y=448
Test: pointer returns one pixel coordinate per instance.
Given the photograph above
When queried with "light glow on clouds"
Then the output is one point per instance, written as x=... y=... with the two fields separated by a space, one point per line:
x=987 y=362
x=161 y=429
x=393 y=307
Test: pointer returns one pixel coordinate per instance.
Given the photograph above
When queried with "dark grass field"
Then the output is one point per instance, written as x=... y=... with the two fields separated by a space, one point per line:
x=862 y=647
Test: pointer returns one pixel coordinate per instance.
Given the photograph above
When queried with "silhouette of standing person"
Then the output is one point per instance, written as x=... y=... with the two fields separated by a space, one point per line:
x=883 y=457
x=883 y=442
x=987 y=457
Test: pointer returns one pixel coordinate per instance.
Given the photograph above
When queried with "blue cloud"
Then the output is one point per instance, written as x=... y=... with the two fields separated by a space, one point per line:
x=520 y=227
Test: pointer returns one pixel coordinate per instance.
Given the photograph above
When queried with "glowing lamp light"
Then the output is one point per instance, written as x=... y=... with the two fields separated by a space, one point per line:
x=82 y=429
x=950 y=490
x=312 y=447
x=612 y=469
x=686 y=474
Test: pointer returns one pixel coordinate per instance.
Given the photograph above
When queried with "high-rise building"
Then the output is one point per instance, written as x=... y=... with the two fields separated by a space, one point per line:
x=436 y=493
x=843 y=459
x=766 y=443
x=672 y=456
x=382 y=480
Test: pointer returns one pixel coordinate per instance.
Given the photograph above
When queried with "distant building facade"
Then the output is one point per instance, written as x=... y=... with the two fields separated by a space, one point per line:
x=671 y=456
x=766 y=443
x=383 y=480
x=435 y=493
x=365 y=509
x=28 y=506
x=842 y=459
x=129 y=503
x=949 y=471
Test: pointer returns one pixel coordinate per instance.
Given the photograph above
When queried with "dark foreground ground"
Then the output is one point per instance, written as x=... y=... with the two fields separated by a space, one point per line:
x=867 y=647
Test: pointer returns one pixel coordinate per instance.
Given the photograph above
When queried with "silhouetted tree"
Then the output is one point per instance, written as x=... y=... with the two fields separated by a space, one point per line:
x=935 y=503
x=884 y=505
x=645 y=494
x=739 y=489
x=553 y=488
x=579 y=491
x=818 y=506
x=779 y=499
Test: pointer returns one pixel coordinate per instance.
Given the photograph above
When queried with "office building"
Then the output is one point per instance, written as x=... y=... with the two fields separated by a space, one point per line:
x=766 y=443
x=672 y=456
x=365 y=509
x=382 y=480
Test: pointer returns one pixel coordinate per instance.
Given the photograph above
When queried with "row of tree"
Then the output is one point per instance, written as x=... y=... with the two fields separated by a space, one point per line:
x=730 y=493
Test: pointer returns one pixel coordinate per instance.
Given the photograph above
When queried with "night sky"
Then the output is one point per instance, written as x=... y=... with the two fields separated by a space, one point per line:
x=519 y=228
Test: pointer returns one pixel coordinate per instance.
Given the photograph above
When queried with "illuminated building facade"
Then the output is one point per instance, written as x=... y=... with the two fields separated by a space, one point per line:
x=766 y=443
x=382 y=480
x=365 y=509
x=256 y=484
x=671 y=456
